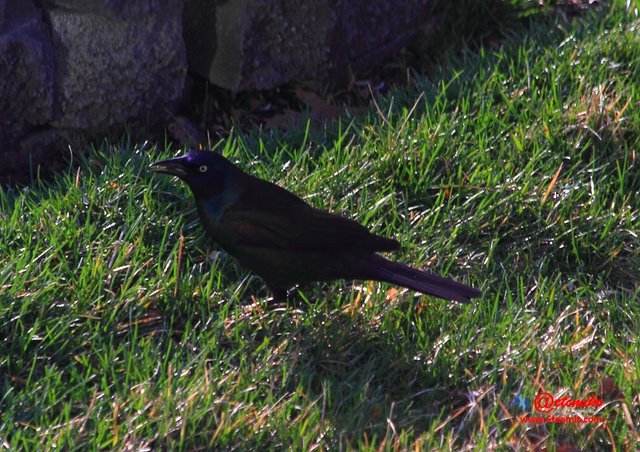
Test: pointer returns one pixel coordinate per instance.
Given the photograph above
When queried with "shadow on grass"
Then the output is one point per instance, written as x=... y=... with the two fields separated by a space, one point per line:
x=369 y=381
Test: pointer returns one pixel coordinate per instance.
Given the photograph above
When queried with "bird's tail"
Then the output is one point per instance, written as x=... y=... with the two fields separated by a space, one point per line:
x=382 y=269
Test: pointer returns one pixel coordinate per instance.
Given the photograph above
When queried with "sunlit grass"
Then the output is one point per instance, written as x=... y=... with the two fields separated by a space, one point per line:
x=517 y=172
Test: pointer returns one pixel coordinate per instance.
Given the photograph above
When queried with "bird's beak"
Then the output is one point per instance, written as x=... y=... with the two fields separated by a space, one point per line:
x=174 y=166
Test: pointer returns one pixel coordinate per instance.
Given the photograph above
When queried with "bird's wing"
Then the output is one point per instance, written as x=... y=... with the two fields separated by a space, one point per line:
x=274 y=217
x=308 y=231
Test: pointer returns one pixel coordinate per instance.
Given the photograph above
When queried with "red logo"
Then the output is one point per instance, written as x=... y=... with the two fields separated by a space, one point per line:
x=545 y=402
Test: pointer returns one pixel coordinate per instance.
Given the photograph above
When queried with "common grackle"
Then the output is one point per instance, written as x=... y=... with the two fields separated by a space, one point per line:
x=285 y=240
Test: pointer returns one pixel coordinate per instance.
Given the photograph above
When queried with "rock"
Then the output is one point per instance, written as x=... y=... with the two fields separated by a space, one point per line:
x=117 y=62
x=260 y=44
x=26 y=71
x=89 y=68
x=83 y=68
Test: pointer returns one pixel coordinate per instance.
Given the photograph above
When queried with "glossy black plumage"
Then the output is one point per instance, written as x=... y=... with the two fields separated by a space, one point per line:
x=285 y=240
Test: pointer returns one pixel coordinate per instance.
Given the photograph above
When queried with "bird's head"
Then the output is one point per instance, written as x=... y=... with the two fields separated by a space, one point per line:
x=206 y=173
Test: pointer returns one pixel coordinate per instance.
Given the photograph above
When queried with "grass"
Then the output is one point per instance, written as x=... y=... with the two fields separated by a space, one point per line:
x=517 y=171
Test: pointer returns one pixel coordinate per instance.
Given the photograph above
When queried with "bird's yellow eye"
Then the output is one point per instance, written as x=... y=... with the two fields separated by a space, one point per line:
x=203 y=169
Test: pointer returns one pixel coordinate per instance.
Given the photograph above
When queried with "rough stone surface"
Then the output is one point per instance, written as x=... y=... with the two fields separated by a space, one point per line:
x=83 y=69
x=116 y=61
x=259 y=44
x=26 y=71
x=86 y=68
x=367 y=31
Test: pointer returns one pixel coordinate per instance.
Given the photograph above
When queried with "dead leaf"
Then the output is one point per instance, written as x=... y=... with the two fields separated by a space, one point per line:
x=319 y=109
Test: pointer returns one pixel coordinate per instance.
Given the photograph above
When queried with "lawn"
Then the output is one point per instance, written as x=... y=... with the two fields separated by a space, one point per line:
x=514 y=168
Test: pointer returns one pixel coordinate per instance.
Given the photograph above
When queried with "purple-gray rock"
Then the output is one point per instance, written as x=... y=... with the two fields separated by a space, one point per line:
x=73 y=69
x=116 y=62
x=26 y=71
x=260 y=44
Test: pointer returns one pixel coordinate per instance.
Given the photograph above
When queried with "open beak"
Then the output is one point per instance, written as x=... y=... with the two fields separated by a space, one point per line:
x=175 y=167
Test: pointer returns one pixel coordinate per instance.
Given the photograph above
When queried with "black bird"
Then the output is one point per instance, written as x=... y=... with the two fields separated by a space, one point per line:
x=285 y=240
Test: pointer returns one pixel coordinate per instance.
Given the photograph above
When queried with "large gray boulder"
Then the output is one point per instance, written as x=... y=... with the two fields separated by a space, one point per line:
x=117 y=61
x=75 y=70
x=260 y=44
x=84 y=68
x=26 y=70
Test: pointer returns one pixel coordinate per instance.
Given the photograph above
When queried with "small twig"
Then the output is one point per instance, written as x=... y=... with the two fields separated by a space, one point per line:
x=552 y=184
x=375 y=104
x=406 y=120
x=89 y=409
x=116 y=410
